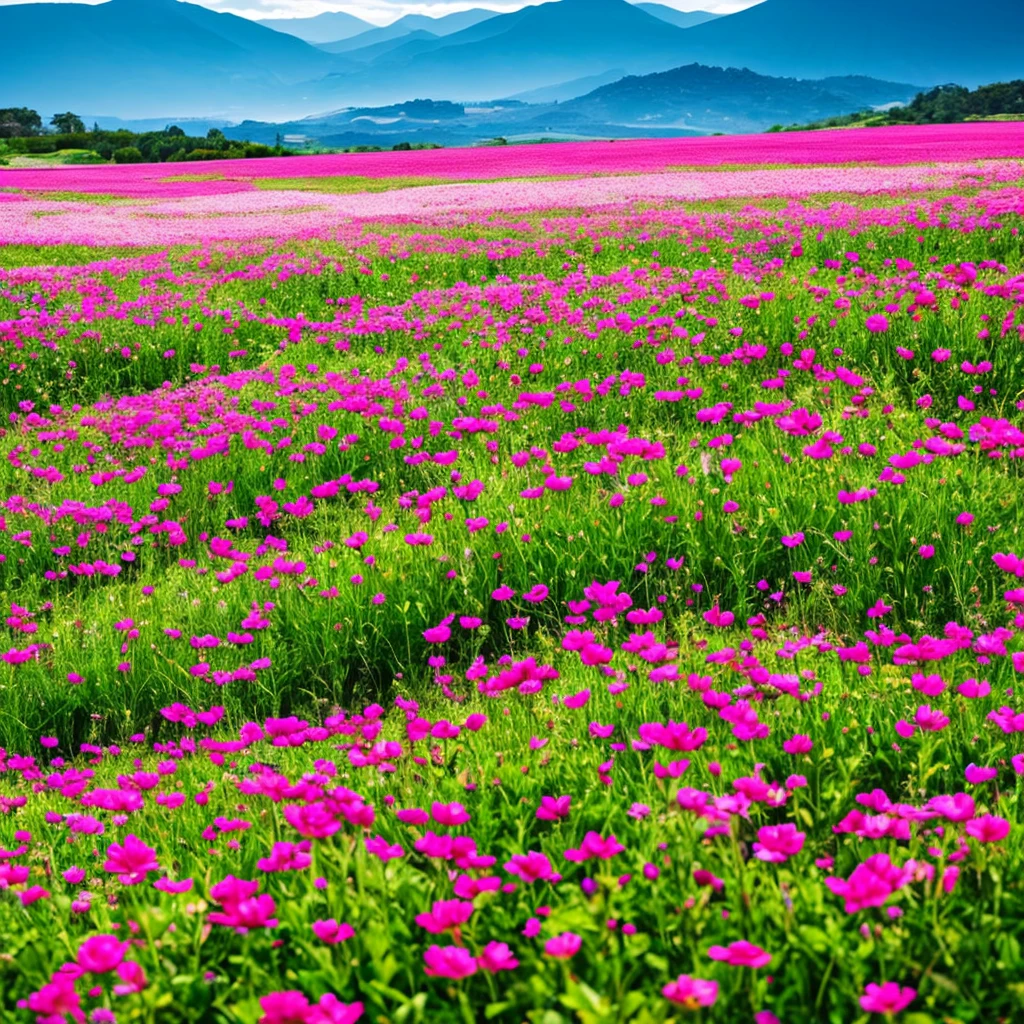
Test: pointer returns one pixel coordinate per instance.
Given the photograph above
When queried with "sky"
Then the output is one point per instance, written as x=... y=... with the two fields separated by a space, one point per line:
x=383 y=12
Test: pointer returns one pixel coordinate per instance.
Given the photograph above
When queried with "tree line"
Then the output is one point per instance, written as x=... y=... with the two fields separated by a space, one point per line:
x=945 y=104
x=22 y=133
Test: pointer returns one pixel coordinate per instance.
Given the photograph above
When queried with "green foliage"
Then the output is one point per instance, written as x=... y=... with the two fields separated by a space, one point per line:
x=127 y=155
x=16 y=122
x=945 y=104
x=170 y=144
x=67 y=124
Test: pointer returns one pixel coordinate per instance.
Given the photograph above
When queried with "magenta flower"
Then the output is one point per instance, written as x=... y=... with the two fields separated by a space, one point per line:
x=777 y=843
x=445 y=916
x=887 y=998
x=131 y=861
x=563 y=947
x=100 y=954
x=741 y=954
x=331 y=932
x=554 y=808
x=452 y=962
x=988 y=828
x=495 y=957
x=691 y=993
x=451 y=815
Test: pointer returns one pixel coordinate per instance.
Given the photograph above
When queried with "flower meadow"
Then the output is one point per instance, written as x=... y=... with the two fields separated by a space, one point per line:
x=528 y=609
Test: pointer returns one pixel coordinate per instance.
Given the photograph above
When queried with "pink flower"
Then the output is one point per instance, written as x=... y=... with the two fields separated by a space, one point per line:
x=452 y=815
x=445 y=915
x=100 y=954
x=576 y=700
x=530 y=867
x=496 y=956
x=870 y=884
x=594 y=846
x=554 y=808
x=976 y=776
x=131 y=861
x=57 y=1000
x=691 y=993
x=284 y=1008
x=132 y=979
x=242 y=908
x=448 y=962
x=877 y=323
x=563 y=947
x=886 y=998
x=988 y=829
x=777 y=843
x=314 y=821
x=799 y=744
x=331 y=932
x=331 y=1010
x=741 y=954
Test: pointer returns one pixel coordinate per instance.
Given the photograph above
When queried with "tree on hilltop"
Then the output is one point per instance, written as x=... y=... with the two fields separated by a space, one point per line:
x=67 y=124
x=17 y=122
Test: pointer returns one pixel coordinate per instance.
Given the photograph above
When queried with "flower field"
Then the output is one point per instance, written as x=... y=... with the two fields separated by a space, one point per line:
x=580 y=583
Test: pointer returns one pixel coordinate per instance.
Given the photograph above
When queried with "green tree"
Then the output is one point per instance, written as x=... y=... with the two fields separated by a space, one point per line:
x=67 y=123
x=174 y=132
x=17 y=122
x=215 y=134
x=127 y=155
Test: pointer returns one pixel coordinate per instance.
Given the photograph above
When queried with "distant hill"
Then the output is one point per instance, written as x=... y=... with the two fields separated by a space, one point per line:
x=155 y=58
x=690 y=100
x=404 y=26
x=945 y=104
x=681 y=19
x=537 y=46
x=722 y=99
x=139 y=58
x=569 y=90
x=323 y=28
x=941 y=41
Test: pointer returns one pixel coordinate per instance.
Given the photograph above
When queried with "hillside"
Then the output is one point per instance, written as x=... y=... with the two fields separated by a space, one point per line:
x=408 y=24
x=157 y=56
x=690 y=100
x=943 y=41
x=681 y=19
x=945 y=104
x=528 y=49
x=322 y=28
x=717 y=99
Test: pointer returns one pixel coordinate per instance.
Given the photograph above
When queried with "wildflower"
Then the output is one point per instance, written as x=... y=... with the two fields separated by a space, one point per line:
x=887 y=998
x=691 y=993
x=563 y=947
x=100 y=954
x=452 y=962
x=741 y=954
x=132 y=861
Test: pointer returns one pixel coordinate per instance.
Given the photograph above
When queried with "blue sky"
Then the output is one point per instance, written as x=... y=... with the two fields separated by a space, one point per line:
x=382 y=12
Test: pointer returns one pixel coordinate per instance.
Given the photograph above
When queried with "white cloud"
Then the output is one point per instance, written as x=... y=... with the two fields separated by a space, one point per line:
x=382 y=12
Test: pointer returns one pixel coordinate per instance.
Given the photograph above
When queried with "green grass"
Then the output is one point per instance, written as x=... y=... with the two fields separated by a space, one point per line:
x=451 y=324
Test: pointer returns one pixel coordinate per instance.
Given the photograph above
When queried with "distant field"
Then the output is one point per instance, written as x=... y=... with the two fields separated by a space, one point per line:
x=575 y=583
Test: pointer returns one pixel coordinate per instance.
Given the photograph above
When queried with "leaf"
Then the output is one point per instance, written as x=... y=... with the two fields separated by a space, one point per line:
x=656 y=963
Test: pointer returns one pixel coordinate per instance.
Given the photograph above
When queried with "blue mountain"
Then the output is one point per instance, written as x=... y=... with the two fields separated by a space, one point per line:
x=537 y=46
x=681 y=19
x=936 y=42
x=322 y=28
x=411 y=23
x=138 y=58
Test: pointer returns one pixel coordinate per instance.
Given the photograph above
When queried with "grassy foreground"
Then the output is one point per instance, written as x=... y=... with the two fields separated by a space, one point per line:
x=603 y=618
